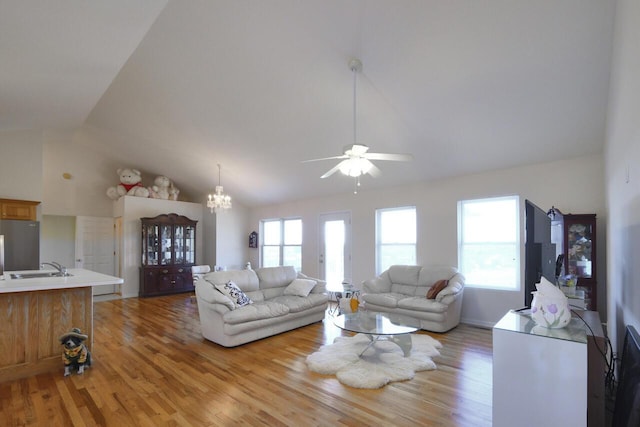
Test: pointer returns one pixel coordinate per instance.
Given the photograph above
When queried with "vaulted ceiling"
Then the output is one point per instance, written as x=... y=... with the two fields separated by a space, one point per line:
x=177 y=87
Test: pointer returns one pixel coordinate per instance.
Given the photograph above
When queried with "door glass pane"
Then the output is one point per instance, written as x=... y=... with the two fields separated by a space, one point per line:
x=334 y=235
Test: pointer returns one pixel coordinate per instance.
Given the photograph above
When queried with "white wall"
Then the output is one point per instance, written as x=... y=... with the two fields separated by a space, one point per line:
x=58 y=239
x=84 y=193
x=622 y=157
x=21 y=165
x=232 y=239
x=573 y=186
x=131 y=209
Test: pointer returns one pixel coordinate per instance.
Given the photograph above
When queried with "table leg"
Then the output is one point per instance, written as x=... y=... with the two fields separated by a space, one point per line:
x=403 y=341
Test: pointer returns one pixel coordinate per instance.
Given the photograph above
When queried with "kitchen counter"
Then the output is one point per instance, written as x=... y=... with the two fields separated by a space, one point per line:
x=35 y=312
x=78 y=278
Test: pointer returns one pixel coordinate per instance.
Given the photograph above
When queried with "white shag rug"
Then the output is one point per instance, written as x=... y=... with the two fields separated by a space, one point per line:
x=380 y=364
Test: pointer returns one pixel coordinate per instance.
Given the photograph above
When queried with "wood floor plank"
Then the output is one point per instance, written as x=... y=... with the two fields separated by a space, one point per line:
x=153 y=368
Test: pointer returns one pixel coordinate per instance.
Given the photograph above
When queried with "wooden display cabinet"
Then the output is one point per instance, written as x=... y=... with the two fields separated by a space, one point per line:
x=580 y=253
x=168 y=253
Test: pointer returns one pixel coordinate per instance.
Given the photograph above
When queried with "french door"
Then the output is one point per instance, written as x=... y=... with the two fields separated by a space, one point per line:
x=335 y=247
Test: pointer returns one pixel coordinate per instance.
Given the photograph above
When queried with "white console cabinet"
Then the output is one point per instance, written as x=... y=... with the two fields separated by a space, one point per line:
x=543 y=376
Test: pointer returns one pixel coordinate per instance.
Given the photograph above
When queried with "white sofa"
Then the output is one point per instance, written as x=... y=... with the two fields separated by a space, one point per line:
x=402 y=289
x=271 y=312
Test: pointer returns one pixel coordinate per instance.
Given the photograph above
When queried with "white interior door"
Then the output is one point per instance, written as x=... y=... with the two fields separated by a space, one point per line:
x=95 y=248
x=335 y=247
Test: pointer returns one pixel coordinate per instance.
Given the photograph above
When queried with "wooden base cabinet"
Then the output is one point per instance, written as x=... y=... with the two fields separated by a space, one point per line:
x=31 y=324
x=168 y=253
x=165 y=280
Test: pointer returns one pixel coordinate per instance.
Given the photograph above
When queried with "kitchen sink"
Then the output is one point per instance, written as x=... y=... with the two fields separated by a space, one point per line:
x=38 y=275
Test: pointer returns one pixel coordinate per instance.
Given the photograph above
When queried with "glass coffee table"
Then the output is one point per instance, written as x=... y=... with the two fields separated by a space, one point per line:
x=380 y=326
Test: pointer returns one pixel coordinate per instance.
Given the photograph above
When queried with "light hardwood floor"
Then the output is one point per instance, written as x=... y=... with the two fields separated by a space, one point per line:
x=153 y=368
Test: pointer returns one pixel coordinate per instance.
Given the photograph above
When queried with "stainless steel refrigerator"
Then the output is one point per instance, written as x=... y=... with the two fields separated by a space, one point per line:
x=21 y=245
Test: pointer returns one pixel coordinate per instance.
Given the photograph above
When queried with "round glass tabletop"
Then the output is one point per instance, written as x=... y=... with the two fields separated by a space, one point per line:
x=374 y=323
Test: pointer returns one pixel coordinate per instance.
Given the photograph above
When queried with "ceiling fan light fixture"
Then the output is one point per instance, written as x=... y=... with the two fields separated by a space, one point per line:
x=355 y=166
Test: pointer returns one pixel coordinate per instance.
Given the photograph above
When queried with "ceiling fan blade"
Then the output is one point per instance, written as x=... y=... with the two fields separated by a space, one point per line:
x=388 y=156
x=325 y=158
x=374 y=171
x=333 y=170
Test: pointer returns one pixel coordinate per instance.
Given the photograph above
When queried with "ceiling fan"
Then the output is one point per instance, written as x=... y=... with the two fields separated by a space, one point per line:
x=356 y=160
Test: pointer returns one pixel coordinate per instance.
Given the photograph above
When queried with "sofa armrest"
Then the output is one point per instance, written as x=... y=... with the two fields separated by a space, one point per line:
x=206 y=292
x=377 y=285
x=453 y=288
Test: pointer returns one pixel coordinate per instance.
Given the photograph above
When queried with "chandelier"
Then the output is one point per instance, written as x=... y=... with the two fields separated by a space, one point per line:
x=219 y=201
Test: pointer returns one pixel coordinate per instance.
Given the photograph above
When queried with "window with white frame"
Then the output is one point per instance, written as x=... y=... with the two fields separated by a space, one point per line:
x=395 y=237
x=282 y=243
x=489 y=243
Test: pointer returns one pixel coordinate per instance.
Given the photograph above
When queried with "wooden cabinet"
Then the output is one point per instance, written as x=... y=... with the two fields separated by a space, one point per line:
x=168 y=253
x=18 y=209
x=579 y=242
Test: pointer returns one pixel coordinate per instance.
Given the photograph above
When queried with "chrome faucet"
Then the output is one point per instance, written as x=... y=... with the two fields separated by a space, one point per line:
x=61 y=268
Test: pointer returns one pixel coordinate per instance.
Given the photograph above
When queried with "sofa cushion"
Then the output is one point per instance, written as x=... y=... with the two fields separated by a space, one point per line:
x=430 y=275
x=257 y=311
x=389 y=299
x=297 y=304
x=436 y=288
x=247 y=280
x=421 y=304
x=405 y=274
x=233 y=292
x=275 y=277
x=300 y=287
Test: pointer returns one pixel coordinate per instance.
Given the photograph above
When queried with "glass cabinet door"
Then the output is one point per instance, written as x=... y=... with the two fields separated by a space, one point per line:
x=189 y=244
x=150 y=245
x=165 y=242
x=580 y=248
x=178 y=244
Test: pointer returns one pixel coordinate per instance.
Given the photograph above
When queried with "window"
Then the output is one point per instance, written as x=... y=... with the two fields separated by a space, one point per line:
x=282 y=243
x=395 y=237
x=488 y=242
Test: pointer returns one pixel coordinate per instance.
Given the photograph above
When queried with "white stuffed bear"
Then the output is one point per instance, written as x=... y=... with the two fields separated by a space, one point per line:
x=130 y=185
x=160 y=189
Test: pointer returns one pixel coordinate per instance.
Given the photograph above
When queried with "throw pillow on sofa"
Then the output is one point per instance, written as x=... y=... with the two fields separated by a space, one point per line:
x=236 y=295
x=435 y=289
x=300 y=287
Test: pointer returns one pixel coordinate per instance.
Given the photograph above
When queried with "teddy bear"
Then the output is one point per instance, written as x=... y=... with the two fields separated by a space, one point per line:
x=173 y=192
x=160 y=189
x=130 y=185
x=75 y=354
